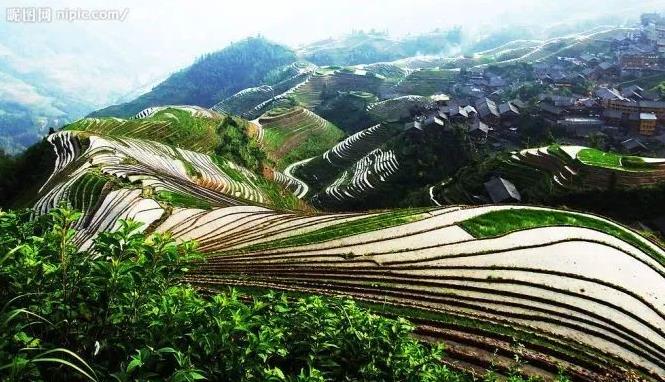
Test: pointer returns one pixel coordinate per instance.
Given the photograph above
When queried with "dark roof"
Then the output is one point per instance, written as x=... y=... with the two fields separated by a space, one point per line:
x=470 y=109
x=518 y=102
x=479 y=126
x=632 y=144
x=546 y=107
x=608 y=94
x=486 y=107
x=628 y=91
x=652 y=104
x=605 y=65
x=501 y=190
x=508 y=107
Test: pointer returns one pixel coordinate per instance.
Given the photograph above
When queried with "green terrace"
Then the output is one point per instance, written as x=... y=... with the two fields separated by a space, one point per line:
x=502 y=222
x=598 y=158
x=594 y=157
x=178 y=199
x=171 y=126
x=296 y=134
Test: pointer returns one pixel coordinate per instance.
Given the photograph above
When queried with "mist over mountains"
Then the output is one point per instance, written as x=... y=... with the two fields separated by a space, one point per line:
x=55 y=73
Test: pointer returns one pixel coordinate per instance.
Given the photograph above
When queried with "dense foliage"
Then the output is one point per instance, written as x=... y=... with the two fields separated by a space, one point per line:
x=236 y=146
x=425 y=157
x=348 y=111
x=119 y=312
x=213 y=77
x=21 y=175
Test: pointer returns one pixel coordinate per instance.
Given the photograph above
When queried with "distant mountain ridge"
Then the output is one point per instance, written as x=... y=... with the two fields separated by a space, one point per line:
x=370 y=47
x=213 y=77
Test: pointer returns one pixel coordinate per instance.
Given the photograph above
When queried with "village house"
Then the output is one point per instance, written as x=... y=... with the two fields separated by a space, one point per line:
x=478 y=130
x=613 y=117
x=509 y=113
x=607 y=95
x=643 y=123
x=488 y=111
x=501 y=190
x=581 y=126
x=551 y=113
x=637 y=64
x=633 y=146
x=633 y=92
x=627 y=106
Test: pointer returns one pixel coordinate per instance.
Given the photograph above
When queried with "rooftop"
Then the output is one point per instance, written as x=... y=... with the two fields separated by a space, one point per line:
x=501 y=190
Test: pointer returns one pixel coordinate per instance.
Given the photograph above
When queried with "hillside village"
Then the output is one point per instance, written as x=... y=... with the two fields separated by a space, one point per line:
x=597 y=94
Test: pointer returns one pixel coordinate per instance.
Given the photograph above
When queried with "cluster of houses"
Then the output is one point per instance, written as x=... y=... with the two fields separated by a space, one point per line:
x=581 y=95
x=629 y=111
x=480 y=118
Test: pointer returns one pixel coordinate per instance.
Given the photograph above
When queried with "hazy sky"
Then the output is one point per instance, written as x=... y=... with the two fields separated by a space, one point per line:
x=159 y=37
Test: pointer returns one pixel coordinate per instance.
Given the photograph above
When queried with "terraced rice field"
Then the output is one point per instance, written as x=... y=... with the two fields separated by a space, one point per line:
x=195 y=111
x=365 y=177
x=309 y=95
x=554 y=289
x=582 y=166
x=252 y=102
x=576 y=296
x=245 y=100
x=189 y=128
x=387 y=70
x=350 y=169
x=357 y=146
x=91 y=168
x=426 y=82
x=396 y=109
x=291 y=135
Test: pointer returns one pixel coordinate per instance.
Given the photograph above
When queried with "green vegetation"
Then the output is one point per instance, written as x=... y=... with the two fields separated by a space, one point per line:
x=595 y=157
x=236 y=146
x=228 y=169
x=170 y=126
x=338 y=231
x=182 y=200
x=87 y=190
x=297 y=134
x=212 y=77
x=498 y=223
x=124 y=315
x=23 y=174
x=426 y=82
x=279 y=197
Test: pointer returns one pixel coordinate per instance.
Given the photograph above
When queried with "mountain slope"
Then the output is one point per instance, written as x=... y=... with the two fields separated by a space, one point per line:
x=212 y=78
x=291 y=135
x=495 y=283
x=477 y=278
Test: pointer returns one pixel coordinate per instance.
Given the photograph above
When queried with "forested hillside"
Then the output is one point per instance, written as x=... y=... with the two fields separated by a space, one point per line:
x=212 y=77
